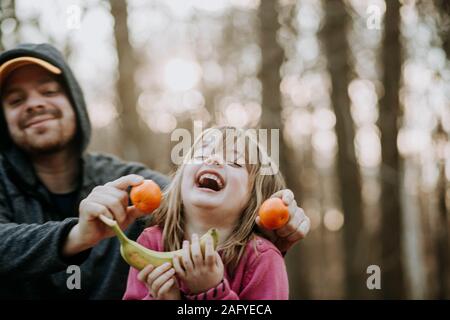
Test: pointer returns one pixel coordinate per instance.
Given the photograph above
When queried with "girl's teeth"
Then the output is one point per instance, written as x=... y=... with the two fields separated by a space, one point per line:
x=211 y=176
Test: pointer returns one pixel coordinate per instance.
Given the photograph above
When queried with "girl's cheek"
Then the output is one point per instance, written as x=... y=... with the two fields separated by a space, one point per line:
x=184 y=187
x=242 y=182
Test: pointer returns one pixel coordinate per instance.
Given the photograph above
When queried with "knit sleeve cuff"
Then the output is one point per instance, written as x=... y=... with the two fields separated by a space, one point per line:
x=78 y=258
x=217 y=293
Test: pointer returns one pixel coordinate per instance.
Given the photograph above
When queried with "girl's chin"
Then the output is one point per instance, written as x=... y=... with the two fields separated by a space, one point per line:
x=206 y=201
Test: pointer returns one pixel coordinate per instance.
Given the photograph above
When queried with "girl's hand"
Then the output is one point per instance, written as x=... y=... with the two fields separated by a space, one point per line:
x=199 y=272
x=294 y=230
x=160 y=282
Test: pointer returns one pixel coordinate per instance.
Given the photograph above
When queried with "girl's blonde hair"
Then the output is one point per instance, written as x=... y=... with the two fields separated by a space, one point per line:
x=170 y=216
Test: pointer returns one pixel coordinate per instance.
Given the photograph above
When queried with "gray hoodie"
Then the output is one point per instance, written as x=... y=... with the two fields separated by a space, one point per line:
x=33 y=230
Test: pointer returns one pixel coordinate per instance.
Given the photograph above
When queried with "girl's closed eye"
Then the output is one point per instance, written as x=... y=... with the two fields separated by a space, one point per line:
x=236 y=164
x=198 y=159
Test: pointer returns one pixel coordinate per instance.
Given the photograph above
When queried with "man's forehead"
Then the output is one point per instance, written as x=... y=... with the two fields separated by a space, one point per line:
x=29 y=74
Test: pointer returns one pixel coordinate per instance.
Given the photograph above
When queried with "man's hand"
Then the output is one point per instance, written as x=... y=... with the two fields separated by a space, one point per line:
x=110 y=200
x=294 y=230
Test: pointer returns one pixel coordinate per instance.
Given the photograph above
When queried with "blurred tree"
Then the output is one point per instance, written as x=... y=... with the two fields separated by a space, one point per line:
x=132 y=136
x=334 y=35
x=223 y=51
x=272 y=59
x=443 y=225
x=1 y=36
x=443 y=11
x=391 y=224
x=2 y=18
x=8 y=16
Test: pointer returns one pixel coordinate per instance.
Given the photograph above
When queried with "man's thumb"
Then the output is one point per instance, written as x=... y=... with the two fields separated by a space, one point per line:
x=134 y=212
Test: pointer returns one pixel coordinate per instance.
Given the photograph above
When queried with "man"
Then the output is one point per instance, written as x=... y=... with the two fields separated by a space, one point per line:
x=45 y=173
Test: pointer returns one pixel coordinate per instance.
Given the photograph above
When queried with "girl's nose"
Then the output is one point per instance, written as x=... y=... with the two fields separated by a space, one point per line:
x=214 y=160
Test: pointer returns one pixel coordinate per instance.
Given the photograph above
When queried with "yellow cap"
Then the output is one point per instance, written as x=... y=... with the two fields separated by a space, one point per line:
x=13 y=64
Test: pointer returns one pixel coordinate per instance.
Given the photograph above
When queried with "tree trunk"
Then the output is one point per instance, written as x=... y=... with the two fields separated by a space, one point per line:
x=2 y=17
x=337 y=51
x=443 y=246
x=272 y=59
x=8 y=11
x=132 y=132
x=442 y=236
x=443 y=11
x=1 y=36
x=392 y=269
x=414 y=240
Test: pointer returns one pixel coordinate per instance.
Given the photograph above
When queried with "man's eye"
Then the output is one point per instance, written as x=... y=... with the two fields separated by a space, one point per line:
x=50 y=92
x=15 y=101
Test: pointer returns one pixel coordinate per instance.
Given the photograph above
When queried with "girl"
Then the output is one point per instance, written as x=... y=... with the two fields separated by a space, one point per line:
x=221 y=186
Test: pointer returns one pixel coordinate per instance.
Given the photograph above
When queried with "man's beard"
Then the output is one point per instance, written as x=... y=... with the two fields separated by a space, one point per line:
x=43 y=149
x=45 y=145
x=46 y=140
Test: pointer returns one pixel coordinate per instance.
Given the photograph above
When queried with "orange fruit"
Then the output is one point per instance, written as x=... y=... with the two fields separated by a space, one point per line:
x=146 y=196
x=273 y=213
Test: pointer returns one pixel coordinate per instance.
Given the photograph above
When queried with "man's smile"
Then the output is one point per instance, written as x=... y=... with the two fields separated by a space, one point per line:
x=37 y=121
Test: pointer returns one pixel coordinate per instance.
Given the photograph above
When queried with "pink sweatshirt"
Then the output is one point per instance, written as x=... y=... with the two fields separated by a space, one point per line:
x=260 y=275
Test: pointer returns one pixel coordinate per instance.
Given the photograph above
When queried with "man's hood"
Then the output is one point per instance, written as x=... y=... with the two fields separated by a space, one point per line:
x=53 y=56
x=16 y=158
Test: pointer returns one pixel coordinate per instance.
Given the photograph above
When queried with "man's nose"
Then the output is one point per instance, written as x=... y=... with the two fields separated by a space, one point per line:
x=34 y=102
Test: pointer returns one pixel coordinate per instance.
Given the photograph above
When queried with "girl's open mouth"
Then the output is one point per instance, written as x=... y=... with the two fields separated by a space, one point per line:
x=210 y=180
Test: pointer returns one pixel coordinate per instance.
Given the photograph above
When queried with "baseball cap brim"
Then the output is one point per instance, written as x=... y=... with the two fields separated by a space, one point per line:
x=13 y=64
